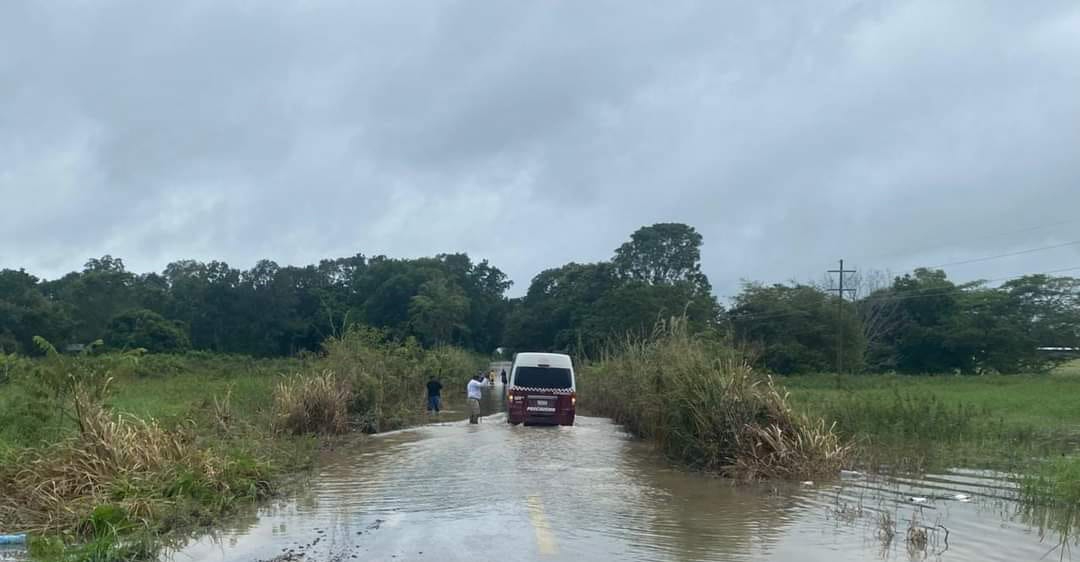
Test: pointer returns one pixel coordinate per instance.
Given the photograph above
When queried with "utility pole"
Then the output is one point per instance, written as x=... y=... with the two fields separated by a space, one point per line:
x=840 y=314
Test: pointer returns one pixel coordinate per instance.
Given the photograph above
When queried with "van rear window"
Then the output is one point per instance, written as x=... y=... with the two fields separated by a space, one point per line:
x=542 y=377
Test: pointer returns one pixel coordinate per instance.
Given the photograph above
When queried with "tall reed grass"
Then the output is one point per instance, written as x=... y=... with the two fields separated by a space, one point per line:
x=366 y=380
x=312 y=404
x=101 y=485
x=150 y=474
x=92 y=482
x=706 y=407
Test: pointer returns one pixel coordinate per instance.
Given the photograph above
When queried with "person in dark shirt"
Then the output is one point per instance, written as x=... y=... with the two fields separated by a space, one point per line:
x=434 y=395
x=504 y=376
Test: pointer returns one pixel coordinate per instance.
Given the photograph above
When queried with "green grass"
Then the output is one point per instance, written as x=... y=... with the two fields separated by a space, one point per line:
x=169 y=388
x=994 y=421
x=170 y=443
x=1055 y=482
x=1050 y=497
x=1047 y=401
x=175 y=397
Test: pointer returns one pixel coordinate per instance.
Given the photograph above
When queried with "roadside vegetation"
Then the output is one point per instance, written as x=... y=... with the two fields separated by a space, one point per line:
x=170 y=398
x=706 y=407
x=927 y=422
x=108 y=456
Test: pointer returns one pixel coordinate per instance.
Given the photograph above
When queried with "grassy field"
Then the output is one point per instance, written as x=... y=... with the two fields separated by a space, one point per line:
x=108 y=457
x=170 y=389
x=153 y=456
x=994 y=421
x=144 y=449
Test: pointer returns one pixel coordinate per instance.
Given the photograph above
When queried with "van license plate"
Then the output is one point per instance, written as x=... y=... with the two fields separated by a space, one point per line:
x=541 y=402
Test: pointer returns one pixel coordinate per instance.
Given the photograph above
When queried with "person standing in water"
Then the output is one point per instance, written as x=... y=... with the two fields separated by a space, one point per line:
x=474 y=392
x=434 y=395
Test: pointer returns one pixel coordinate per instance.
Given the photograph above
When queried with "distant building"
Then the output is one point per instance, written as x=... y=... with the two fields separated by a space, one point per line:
x=1057 y=351
x=74 y=348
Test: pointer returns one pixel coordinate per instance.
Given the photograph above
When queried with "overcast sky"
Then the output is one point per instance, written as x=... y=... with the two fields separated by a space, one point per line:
x=790 y=134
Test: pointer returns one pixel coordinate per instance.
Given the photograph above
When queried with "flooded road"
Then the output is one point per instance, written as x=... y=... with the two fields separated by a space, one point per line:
x=450 y=492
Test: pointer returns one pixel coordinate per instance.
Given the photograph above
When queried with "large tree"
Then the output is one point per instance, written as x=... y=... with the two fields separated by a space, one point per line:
x=1050 y=307
x=26 y=312
x=558 y=305
x=438 y=313
x=797 y=328
x=101 y=290
x=146 y=329
x=662 y=254
x=927 y=339
x=580 y=307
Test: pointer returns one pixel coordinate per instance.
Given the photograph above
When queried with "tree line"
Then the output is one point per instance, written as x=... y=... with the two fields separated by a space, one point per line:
x=916 y=322
x=267 y=310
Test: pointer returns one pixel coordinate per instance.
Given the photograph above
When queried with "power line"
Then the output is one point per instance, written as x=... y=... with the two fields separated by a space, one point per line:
x=945 y=290
x=982 y=259
x=981 y=238
x=1008 y=255
x=840 y=314
x=921 y=293
x=988 y=258
x=939 y=290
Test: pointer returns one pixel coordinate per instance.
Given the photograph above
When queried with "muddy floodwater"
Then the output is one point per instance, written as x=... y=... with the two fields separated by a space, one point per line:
x=452 y=491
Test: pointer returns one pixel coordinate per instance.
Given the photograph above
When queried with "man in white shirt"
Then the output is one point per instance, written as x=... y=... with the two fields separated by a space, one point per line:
x=474 y=393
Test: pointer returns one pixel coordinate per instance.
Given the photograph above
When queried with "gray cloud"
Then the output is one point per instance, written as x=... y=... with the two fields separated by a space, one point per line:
x=890 y=133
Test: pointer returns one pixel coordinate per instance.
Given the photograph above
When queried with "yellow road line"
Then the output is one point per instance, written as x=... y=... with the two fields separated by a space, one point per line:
x=544 y=539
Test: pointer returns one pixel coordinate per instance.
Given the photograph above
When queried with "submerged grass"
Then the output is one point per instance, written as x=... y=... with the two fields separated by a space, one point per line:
x=167 y=444
x=706 y=407
x=1054 y=482
x=1049 y=496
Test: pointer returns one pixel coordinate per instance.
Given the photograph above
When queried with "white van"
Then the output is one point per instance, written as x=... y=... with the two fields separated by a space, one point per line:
x=542 y=390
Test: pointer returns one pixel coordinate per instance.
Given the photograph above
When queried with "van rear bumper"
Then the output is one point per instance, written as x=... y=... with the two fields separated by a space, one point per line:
x=558 y=418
